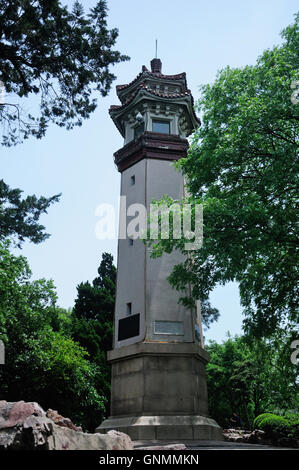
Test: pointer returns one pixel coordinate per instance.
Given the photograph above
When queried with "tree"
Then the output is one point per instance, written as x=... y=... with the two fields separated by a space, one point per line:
x=242 y=167
x=96 y=301
x=92 y=320
x=42 y=362
x=19 y=217
x=251 y=377
x=57 y=55
x=209 y=314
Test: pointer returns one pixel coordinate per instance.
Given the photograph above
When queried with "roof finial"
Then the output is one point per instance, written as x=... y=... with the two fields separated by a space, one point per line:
x=156 y=64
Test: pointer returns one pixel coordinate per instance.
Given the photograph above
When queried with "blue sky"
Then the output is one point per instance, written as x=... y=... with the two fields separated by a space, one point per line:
x=194 y=36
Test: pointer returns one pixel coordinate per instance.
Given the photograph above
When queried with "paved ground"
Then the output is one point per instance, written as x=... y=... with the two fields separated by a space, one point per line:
x=210 y=445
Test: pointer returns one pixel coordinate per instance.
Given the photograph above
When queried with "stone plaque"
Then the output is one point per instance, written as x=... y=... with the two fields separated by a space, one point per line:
x=129 y=327
x=169 y=328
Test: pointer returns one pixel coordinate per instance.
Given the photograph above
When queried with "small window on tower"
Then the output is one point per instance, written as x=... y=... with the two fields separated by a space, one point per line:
x=131 y=241
x=163 y=127
x=129 y=308
x=132 y=179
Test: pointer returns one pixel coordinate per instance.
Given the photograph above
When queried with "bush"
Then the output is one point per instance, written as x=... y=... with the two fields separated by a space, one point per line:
x=291 y=416
x=282 y=430
x=277 y=428
x=294 y=430
x=274 y=425
x=260 y=418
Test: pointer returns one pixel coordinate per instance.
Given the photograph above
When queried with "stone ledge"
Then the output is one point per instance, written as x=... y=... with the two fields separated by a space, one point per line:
x=165 y=427
x=158 y=349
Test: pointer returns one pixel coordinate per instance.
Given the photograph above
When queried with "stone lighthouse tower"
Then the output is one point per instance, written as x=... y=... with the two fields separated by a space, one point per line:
x=158 y=364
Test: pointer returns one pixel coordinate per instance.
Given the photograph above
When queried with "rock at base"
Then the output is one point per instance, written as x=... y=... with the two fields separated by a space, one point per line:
x=240 y=435
x=61 y=421
x=26 y=426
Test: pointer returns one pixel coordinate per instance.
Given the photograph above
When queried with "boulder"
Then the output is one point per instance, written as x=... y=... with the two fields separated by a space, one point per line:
x=61 y=421
x=26 y=426
x=233 y=435
x=122 y=440
x=23 y=425
x=15 y=413
x=258 y=436
x=241 y=435
x=67 y=439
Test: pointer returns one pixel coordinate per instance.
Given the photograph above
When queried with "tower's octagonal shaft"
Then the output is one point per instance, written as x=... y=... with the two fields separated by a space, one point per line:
x=158 y=363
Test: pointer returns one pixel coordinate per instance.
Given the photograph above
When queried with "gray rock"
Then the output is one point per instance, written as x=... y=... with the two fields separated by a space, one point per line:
x=68 y=439
x=240 y=435
x=61 y=421
x=26 y=426
x=123 y=440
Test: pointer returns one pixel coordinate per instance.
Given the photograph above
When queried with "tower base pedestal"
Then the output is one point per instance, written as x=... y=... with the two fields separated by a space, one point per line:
x=161 y=428
x=158 y=392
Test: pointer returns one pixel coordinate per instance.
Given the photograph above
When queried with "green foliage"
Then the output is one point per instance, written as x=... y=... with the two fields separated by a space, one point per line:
x=277 y=426
x=293 y=431
x=225 y=394
x=274 y=426
x=59 y=56
x=42 y=362
x=242 y=167
x=273 y=421
x=251 y=377
x=92 y=320
x=282 y=430
x=96 y=301
x=19 y=217
x=209 y=314
x=260 y=418
x=291 y=416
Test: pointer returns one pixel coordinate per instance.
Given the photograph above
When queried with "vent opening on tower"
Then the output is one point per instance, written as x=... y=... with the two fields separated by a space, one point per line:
x=129 y=308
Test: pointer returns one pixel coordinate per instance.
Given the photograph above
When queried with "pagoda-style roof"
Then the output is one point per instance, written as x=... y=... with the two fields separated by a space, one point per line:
x=153 y=86
x=151 y=91
x=145 y=73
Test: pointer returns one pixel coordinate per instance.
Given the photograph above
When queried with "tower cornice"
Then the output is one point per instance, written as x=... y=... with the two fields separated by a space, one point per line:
x=151 y=145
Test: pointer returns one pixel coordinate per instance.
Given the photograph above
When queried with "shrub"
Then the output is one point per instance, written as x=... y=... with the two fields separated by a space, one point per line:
x=291 y=416
x=260 y=418
x=294 y=430
x=273 y=423
x=275 y=427
x=282 y=430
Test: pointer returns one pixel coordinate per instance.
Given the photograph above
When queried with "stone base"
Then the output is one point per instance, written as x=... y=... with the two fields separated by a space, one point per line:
x=159 y=391
x=158 y=379
x=165 y=428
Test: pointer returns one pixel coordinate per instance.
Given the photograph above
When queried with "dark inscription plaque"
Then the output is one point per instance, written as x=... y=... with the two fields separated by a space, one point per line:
x=129 y=327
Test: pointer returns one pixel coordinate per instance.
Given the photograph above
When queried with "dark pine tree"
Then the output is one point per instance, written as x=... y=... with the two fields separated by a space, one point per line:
x=92 y=323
